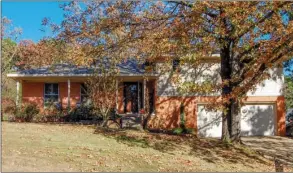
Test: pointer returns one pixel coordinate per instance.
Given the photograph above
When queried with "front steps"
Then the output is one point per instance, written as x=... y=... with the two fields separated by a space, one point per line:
x=131 y=121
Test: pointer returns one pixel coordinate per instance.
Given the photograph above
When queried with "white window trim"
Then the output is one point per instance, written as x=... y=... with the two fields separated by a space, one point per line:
x=51 y=94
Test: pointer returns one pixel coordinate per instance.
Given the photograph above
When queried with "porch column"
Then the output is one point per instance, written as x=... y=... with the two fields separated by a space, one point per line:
x=68 y=94
x=144 y=92
x=138 y=101
x=17 y=93
x=117 y=92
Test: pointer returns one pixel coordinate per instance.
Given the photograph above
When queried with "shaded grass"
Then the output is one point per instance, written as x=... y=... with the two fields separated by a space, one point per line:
x=132 y=141
x=209 y=149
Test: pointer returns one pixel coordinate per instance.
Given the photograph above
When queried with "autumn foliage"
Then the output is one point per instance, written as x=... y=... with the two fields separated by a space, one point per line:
x=250 y=38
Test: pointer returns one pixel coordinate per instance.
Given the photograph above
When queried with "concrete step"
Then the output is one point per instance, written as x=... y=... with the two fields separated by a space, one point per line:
x=131 y=121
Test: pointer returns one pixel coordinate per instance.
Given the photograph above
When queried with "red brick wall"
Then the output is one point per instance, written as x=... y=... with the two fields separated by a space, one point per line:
x=168 y=112
x=33 y=92
x=63 y=94
x=74 y=94
x=281 y=116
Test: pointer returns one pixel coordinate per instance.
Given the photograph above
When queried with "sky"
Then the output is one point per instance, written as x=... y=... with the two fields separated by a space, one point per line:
x=29 y=15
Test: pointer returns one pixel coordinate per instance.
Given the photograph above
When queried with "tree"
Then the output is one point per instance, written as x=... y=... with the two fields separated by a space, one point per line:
x=289 y=92
x=9 y=48
x=102 y=87
x=251 y=37
x=47 y=51
x=9 y=36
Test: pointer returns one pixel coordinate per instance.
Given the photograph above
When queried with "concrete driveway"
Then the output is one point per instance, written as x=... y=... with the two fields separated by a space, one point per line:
x=274 y=146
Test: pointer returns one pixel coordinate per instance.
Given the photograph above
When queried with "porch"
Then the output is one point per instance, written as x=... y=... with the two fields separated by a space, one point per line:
x=134 y=94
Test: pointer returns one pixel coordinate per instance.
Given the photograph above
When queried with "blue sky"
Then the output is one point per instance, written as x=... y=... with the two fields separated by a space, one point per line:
x=29 y=15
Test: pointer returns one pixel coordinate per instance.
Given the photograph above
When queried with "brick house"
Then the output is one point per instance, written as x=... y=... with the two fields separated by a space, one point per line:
x=262 y=115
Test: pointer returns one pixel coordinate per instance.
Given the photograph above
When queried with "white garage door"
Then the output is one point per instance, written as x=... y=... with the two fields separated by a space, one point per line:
x=256 y=120
x=209 y=123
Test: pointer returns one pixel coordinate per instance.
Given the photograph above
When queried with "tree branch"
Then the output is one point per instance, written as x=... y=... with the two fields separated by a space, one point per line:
x=184 y=3
x=268 y=15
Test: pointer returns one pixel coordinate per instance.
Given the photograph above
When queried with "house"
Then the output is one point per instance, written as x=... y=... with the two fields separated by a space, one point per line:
x=262 y=115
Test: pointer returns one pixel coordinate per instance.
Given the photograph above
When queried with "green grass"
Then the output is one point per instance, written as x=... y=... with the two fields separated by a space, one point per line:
x=47 y=147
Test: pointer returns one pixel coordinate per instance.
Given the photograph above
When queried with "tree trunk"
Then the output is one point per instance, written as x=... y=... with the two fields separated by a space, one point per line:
x=235 y=121
x=225 y=128
x=105 y=122
x=226 y=73
x=231 y=116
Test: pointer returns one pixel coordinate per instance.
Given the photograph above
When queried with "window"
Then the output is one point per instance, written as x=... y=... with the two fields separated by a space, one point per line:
x=175 y=64
x=83 y=93
x=51 y=94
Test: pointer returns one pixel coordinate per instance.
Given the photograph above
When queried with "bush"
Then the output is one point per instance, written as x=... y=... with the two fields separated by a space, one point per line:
x=178 y=131
x=52 y=113
x=83 y=112
x=184 y=130
x=27 y=112
x=8 y=106
x=50 y=117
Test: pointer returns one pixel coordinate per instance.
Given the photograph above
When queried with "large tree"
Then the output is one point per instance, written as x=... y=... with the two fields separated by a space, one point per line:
x=9 y=36
x=251 y=37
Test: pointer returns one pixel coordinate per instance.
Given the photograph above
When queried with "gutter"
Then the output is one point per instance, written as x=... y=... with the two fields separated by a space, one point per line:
x=14 y=75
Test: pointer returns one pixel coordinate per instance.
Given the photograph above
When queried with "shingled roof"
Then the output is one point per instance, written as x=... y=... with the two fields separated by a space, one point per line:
x=127 y=68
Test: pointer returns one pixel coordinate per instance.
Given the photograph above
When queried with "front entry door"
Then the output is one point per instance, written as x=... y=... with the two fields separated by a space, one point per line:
x=132 y=97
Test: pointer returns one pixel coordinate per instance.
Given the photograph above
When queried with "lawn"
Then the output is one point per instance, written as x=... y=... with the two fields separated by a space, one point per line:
x=52 y=147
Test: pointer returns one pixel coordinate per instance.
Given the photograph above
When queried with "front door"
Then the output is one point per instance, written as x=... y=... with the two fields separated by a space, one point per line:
x=132 y=97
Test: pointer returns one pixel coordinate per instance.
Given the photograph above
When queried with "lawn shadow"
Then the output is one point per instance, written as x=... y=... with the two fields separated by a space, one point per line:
x=214 y=150
x=273 y=147
x=211 y=150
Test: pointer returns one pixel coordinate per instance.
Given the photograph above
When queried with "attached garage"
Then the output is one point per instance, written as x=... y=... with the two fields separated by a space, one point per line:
x=209 y=123
x=256 y=120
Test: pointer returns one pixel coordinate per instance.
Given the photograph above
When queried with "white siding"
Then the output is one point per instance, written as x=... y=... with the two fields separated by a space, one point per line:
x=166 y=86
x=211 y=71
x=272 y=86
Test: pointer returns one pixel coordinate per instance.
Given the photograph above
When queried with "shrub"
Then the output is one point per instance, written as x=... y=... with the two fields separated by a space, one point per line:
x=52 y=113
x=8 y=106
x=52 y=108
x=50 y=117
x=38 y=118
x=178 y=131
x=184 y=130
x=83 y=112
x=27 y=112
